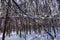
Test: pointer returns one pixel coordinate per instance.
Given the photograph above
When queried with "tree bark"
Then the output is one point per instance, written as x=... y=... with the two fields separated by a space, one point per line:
x=5 y=23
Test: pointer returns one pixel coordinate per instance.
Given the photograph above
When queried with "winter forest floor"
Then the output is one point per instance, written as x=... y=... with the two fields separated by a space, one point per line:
x=32 y=36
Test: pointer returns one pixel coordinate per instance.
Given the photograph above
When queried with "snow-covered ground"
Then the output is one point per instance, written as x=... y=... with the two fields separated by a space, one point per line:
x=32 y=36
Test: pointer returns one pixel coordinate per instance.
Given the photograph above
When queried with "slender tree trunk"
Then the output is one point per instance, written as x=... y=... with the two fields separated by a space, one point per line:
x=37 y=1
x=6 y=19
x=53 y=27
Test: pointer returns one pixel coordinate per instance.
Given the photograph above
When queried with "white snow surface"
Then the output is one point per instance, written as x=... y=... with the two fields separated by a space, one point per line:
x=32 y=36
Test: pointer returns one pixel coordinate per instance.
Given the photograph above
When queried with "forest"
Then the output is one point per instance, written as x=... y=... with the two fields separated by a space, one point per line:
x=29 y=19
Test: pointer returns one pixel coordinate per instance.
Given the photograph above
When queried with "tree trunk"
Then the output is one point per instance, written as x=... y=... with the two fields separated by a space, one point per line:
x=6 y=19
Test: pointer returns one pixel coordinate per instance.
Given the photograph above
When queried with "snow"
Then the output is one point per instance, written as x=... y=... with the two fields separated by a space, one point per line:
x=32 y=36
x=13 y=38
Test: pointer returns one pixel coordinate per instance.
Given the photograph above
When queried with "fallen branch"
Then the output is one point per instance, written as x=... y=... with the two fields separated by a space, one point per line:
x=49 y=34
